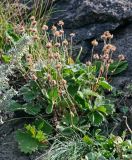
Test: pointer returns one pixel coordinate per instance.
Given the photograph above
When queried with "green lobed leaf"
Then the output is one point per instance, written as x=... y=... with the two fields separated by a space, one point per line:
x=96 y=118
x=27 y=144
x=53 y=94
x=101 y=109
x=29 y=108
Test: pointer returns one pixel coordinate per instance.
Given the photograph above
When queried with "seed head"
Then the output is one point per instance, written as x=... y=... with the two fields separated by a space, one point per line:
x=57 y=44
x=36 y=37
x=107 y=35
x=72 y=34
x=53 y=82
x=105 y=57
x=45 y=27
x=63 y=82
x=21 y=29
x=58 y=66
x=54 y=28
x=32 y=18
x=94 y=42
x=121 y=57
x=49 y=45
x=57 y=34
x=61 y=23
x=57 y=55
x=50 y=56
x=34 y=23
x=34 y=30
x=96 y=56
x=88 y=63
x=29 y=56
x=109 y=47
x=110 y=61
x=61 y=32
x=65 y=43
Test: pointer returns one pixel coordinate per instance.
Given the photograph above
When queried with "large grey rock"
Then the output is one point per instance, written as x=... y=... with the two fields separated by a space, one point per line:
x=80 y=13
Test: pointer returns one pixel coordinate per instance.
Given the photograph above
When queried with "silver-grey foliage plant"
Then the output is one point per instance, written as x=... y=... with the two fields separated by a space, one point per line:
x=7 y=92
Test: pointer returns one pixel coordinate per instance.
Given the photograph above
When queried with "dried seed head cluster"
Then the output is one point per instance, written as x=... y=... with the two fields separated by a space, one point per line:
x=107 y=36
x=109 y=47
x=58 y=33
x=107 y=52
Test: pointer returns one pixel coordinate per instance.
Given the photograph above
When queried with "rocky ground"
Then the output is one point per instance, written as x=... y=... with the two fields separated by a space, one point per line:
x=88 y=19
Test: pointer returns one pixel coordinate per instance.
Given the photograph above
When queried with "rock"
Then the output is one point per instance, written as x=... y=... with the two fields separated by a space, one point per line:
x=82 y=13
